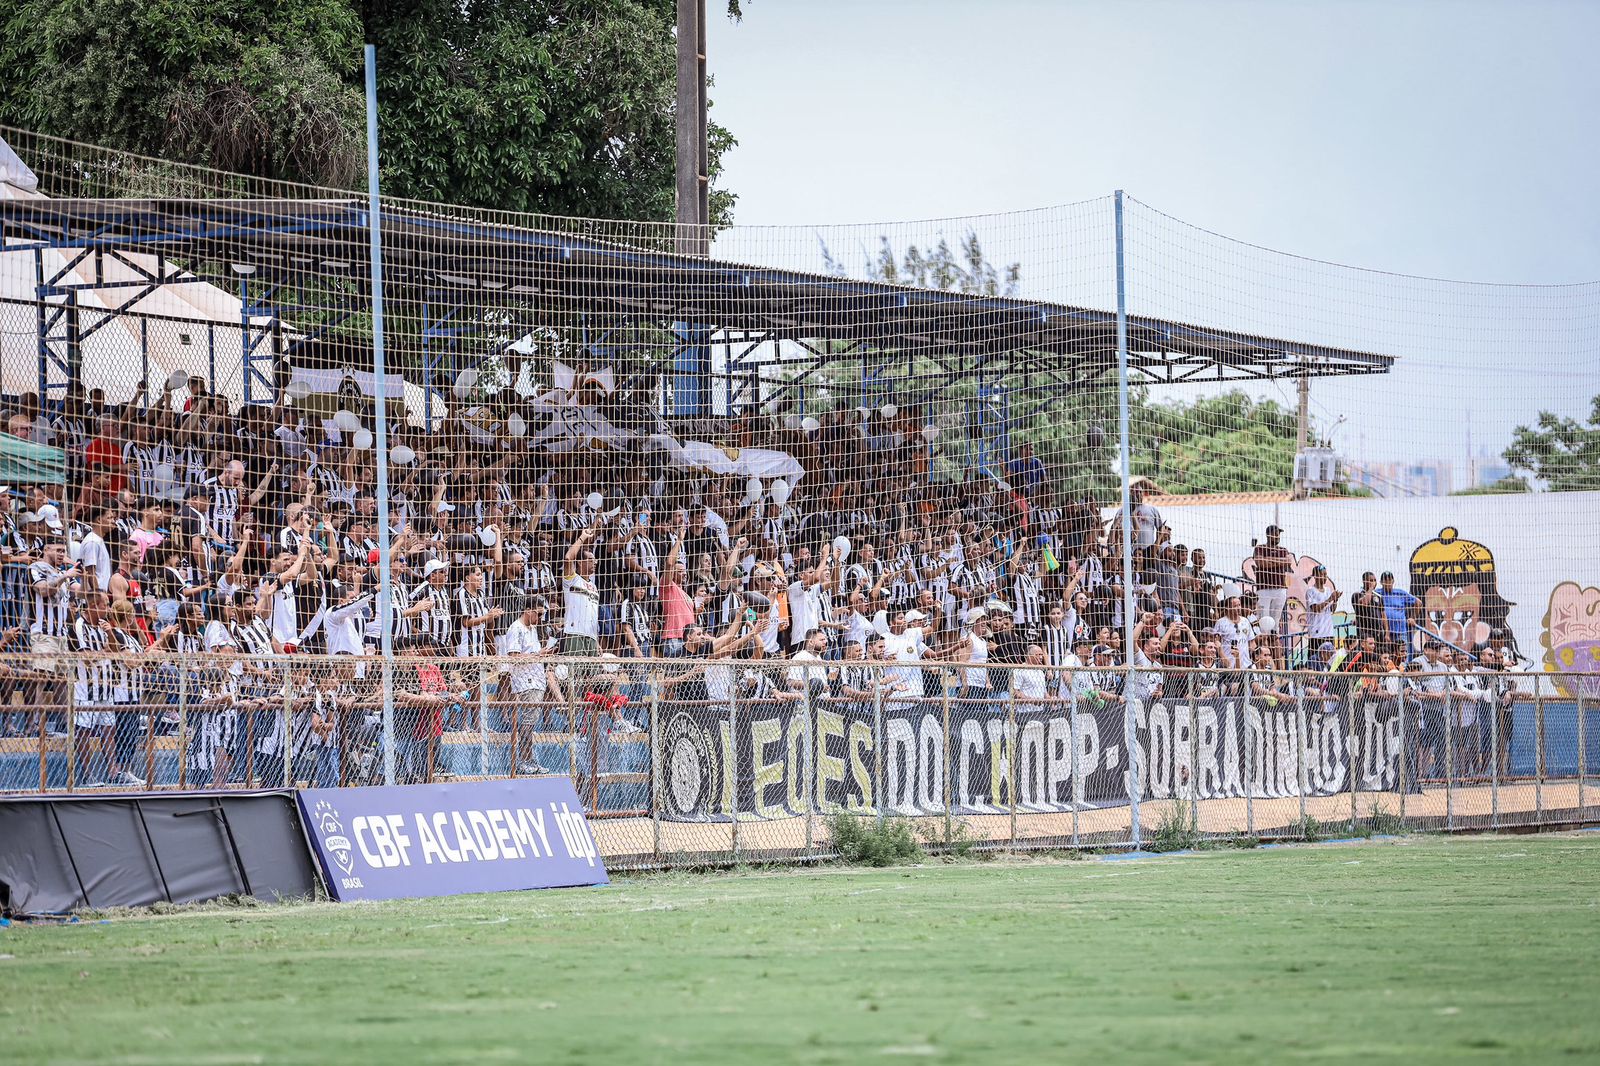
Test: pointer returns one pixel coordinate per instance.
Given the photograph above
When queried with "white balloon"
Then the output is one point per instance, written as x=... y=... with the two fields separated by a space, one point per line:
x=864 y=413
x=488 y=535
x=810 y=425
x=465 y=382
x=362 y=439
x=595 y=500
x=930 y=433
x=780 y=492
x=890 y=410
x=841 y=548
x=297 y=390
x=348 y=421
x=516 y=426
x=1267 y=624
x=401 y=455
x=177 y=380
x=752 y=489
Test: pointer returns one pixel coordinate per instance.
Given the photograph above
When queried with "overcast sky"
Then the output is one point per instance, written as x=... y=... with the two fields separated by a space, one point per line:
x=1451 y=140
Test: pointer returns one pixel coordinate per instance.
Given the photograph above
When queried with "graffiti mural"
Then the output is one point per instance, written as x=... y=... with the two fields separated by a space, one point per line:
x=1456 y=582
x=1571 y=638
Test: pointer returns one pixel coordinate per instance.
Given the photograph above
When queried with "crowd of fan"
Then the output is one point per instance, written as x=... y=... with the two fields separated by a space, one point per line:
x=228 y=536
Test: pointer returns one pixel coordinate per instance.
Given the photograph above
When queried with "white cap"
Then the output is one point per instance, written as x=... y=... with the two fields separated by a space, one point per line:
x=50 y=515
x=434 y=566
x=976 y=614
x=444 y=507
x=999 y=605
x=915 y=616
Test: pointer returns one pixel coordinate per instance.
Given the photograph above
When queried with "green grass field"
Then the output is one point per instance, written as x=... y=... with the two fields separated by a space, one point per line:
x=1419 y=949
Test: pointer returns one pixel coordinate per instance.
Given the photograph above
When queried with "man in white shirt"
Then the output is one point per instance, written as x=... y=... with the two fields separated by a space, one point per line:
x=1030 y=684
x=1321 y=599
x=1234 y=633
x=904 y=642
x=580 y=623
x=810 y=672
x=527 y=648
x=93 y=555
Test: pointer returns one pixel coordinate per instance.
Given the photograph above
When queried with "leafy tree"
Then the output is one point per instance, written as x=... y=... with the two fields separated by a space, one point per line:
x=937 y=268
x=1563 y=453
x=527 y=105
x=269 y=89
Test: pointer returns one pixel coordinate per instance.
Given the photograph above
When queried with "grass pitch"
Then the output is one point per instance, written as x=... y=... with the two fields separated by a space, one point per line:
x=1414 y=950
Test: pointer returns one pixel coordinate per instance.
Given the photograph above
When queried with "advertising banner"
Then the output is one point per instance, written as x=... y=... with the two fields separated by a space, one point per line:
x=405 y=841
x=781 y=759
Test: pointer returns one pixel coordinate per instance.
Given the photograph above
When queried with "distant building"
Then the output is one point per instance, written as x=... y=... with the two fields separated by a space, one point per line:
x=1417 y=477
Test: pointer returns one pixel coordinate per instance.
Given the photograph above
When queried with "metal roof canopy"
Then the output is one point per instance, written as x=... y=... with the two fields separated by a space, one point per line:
x=470 y=262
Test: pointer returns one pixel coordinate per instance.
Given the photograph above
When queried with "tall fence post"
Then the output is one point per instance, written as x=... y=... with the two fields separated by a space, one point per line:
x=288 y=730
x=380 y=445
x=1130 y=738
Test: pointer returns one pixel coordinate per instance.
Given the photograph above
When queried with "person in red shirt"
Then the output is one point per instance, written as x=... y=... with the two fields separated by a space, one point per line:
x=103 y=454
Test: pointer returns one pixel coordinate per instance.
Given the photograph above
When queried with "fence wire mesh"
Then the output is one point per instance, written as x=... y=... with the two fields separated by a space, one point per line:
x=821 y=491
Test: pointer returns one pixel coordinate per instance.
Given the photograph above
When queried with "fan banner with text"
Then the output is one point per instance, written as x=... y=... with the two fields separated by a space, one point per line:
x=778 y=760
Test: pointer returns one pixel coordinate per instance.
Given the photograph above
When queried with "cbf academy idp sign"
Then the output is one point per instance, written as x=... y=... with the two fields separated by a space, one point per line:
x=440 y=840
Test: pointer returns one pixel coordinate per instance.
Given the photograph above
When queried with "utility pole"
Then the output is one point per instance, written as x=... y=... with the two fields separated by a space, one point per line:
x=694 y=181
x=1303 y=415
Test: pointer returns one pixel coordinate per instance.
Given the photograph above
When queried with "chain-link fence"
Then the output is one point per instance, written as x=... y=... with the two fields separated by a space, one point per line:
x=691 y=762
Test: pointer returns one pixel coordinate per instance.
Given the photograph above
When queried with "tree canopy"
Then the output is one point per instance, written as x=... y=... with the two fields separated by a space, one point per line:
x=526 y=105
x=1563 y=453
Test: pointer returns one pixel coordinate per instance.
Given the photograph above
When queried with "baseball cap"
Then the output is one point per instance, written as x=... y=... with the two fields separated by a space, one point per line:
x=434 y=566
x=1102 y=649
x=976 y=614
x=915 y=616
x=50 y=515
x=998 y=605
x=1319 y=569
x=443 y=507
x=1274 y=529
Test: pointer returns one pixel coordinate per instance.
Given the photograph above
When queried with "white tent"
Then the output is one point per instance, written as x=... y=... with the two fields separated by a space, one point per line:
x=199 y=324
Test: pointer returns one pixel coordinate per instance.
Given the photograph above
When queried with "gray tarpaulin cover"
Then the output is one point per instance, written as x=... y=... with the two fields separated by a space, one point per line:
x=60 y=854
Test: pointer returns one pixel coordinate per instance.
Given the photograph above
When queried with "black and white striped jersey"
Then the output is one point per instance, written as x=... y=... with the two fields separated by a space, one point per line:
x=225 y=500
x=52 y=610
x=94 y=684
x=472 y=641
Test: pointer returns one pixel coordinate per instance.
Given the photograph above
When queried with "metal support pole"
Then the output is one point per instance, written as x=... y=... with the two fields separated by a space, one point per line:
x=288 y=730
x=1583 y=756
x=1012 y=772
x=183 y=724
x=1451 y=711
x=483 y=719
x=380 y=442
x=733 y=769
x=1494 y=762
x=1405 y=753
x=877 y=748
x=693 y=184
x=1348 y=703
x=1130 y=737
x=1538 y=752
x=1075 y=797
x=1249 y=757
x=944 y=687
x=72 y=734
x=1300 y=747
x=655 y=768
x=810 y=771
x=1194 y=755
